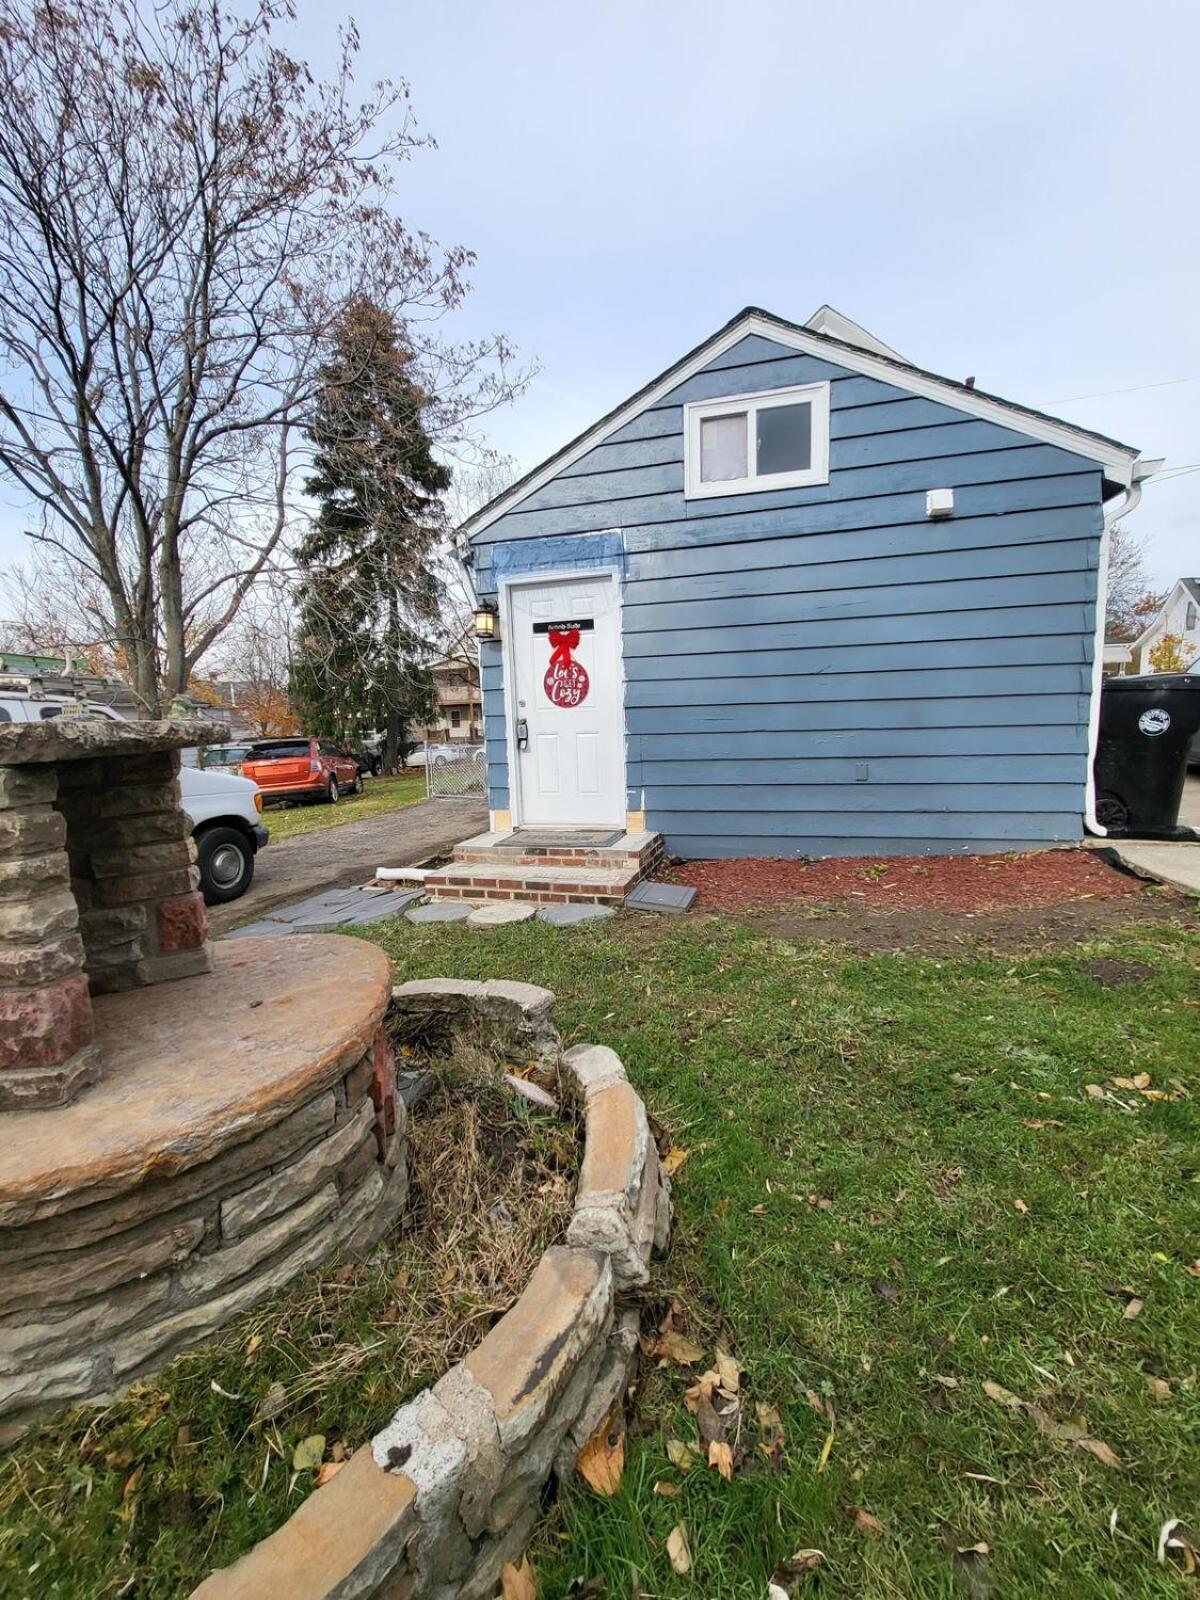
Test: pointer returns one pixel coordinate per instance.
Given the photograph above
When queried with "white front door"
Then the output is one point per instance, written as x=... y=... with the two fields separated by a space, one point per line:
x=568 y=724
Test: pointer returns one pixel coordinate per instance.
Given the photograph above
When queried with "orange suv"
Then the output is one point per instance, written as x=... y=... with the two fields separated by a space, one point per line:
x=302 y=769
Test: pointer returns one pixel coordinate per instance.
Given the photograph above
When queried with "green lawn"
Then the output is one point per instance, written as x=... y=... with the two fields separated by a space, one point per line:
x=379 y=794
x=898 y=1189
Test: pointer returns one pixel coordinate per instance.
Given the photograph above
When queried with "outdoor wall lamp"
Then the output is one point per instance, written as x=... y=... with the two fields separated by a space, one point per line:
x=486 y=620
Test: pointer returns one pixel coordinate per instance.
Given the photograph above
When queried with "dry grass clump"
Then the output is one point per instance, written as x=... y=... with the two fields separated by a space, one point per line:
x=492 y=1185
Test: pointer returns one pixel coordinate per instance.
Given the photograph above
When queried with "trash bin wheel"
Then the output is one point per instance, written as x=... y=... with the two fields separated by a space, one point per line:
x=1111 y=811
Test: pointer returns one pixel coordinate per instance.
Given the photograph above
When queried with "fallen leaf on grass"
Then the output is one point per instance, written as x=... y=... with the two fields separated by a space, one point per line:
x=329 y=1469
x=132 y=1481
x=668 y=1491
x=1095 y=1092
x=1019 y=1205
x=602 y=1459
x=1176 y=1541
x=1158 y=1387
x=1133 y=1309
x=771 y=1428
x=867 y=1524
x=946 y=1383
x=224 y=1393
x=887 y=1291
x=708 y=1423
x=679 y=1455
x=677 y=1549
x=306 y=1457
x=720 y=1455
x=728 y=1371
x=1101 y=1451
x=1068 y=1432
x=674 y=1159
x=789 y=1574
x=517 y=1582
x=677 y=1347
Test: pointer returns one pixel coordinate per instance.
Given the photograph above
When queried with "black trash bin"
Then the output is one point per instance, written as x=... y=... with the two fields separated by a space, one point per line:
x=1146 y=725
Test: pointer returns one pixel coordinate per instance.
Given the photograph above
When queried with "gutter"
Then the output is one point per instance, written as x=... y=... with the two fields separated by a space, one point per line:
x=1121 y=506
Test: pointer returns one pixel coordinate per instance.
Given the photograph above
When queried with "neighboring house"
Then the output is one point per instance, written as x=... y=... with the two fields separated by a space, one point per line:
x=797 y=596
x=1180 y=615
x=459 y=698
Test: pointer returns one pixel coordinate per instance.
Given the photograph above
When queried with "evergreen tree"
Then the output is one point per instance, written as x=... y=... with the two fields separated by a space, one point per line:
x=369 y=596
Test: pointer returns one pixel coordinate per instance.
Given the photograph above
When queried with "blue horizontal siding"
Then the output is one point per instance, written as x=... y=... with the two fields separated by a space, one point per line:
x=732 y=771
x=743 y=821
x=843 y=842
x=621 y=508
x=812 y=577
x=779 y=609
x=759 y=748
x=926 y=683
x=779 y=646
x=894 y=802
x=798 y=716
x=990 y=622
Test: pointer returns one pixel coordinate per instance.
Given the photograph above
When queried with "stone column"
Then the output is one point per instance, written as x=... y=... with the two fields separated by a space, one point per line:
x=46 y=1052
x=131 y=856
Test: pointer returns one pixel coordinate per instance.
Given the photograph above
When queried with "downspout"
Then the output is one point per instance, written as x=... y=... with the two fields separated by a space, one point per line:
x=1120 y=507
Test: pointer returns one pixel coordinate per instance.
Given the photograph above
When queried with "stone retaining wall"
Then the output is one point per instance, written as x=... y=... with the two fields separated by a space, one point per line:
x=452 y=1487
x=97 y=1290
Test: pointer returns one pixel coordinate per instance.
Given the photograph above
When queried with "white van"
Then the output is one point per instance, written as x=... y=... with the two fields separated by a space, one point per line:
x=225 y=810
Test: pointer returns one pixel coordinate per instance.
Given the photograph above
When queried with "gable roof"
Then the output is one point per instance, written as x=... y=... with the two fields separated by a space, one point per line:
x=1190 y=587
x=853 y=348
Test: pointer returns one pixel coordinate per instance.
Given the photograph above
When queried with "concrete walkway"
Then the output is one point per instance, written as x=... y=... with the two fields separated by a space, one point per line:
x=1174 y=864
x=349 y=853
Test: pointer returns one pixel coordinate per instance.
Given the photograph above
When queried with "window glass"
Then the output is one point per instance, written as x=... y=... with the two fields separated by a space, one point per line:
x=1190 y=618
x=50 y=711
x=284 y=750
x=784 y=438
x=723 y=448
x=4 y=716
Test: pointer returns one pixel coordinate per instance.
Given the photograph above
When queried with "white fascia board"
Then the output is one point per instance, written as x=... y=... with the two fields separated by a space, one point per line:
x=1117 y=460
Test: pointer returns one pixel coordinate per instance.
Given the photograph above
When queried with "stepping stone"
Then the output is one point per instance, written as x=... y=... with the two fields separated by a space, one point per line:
x=571 y=916
x=499 y=912
x=672 y=898
x=440 y=911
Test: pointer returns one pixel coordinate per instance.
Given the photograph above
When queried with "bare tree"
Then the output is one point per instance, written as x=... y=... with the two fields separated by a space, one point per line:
x=1131 y=601
x=184 y=214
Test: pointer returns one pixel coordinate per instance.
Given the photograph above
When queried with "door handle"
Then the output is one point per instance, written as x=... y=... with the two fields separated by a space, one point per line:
x=522 y=734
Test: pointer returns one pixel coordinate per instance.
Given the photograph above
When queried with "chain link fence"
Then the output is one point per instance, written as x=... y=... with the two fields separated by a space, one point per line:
x=454 y=772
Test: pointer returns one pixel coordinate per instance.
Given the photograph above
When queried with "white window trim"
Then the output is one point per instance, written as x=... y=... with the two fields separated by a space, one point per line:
x=816 y=394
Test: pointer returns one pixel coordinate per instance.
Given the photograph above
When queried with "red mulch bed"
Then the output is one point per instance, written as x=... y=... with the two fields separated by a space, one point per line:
x=908 y=883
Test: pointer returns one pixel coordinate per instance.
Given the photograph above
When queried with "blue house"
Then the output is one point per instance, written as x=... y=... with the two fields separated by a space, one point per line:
x=798 y=596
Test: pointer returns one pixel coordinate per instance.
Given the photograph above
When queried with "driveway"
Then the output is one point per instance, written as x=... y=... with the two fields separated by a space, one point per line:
x=349 y=853
x=1189 y=806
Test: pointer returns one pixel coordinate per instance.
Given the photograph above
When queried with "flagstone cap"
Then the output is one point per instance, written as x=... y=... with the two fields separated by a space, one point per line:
x=85 y=738
x=194 y=1066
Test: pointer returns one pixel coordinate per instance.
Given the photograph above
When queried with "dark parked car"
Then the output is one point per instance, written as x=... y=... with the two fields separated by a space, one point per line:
x=370 y=764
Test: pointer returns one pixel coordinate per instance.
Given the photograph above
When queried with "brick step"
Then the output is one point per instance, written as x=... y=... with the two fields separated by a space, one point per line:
x=644 y=850
x=559 y=883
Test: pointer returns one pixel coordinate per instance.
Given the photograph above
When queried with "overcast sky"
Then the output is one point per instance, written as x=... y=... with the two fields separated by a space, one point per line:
x=1004 y=189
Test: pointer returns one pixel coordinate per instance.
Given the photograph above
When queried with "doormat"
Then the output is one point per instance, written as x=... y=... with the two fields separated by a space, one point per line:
x=566 y=838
